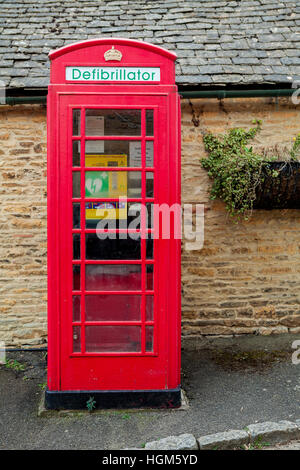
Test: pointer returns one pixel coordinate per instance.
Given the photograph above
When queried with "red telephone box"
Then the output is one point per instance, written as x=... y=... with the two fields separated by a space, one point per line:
x=113 y=285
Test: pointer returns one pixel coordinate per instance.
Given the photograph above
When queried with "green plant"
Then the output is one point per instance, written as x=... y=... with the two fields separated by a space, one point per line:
x=14 y=365
x=258 y=444
x=91 y=404
x=295 y=150
x=42 y=386
x=235 y=168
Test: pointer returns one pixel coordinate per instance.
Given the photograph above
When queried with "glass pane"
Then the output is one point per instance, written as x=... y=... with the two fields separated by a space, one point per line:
x=76 y=215
x=112 y=248
x=134 y=215
x=76 y=184
x=76 y=152
x=76 y=339
x=76 y=121
x=149 y=153
x=112 y=122
x=134 y=189
x=76 y=246
x=149 y=277
x=149 y=338
x=149 y=308
x=149 y=122
x=120 y=153
x=76 y=277
x=113 y=307
x=111 y=277
x=113 y=338
x=111 y=153
x=112 y=215
x=149 y=184
x=76 y=307
x=149 y=248
x=149 y=220
x=113 y=184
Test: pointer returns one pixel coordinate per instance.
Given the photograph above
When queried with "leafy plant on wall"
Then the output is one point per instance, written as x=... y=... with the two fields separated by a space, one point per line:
x=237 y=170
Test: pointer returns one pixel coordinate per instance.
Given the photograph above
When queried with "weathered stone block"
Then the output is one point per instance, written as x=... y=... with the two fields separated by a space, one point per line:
x=181 y=442
x=224 y=440
x=271 y=432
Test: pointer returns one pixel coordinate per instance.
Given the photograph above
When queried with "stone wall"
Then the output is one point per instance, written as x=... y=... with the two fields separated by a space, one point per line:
x=23 y=217
x=245 y=279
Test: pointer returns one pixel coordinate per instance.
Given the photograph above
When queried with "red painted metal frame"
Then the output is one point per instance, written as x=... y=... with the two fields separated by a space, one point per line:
x=159 y=369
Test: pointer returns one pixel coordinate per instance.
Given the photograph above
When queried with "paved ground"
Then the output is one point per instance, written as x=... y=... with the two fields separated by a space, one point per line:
x=230 y=384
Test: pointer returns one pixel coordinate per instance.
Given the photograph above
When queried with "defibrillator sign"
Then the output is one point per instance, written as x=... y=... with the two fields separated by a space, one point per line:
x=105 y=184
x=113 y=74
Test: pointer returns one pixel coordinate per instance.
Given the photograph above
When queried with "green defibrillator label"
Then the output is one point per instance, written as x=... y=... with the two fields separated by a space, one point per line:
x=96 y=184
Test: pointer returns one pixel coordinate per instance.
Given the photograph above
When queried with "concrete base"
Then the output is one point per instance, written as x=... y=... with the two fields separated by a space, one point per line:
x=43 y=411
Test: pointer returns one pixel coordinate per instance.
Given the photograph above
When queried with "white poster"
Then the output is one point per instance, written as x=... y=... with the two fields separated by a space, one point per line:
x=135 y=154
x=94 y=126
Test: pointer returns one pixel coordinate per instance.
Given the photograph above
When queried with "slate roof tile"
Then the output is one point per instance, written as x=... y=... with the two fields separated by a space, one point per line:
x=217 y=42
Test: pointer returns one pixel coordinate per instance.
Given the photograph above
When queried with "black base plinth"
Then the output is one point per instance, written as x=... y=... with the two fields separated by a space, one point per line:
x=77 y=400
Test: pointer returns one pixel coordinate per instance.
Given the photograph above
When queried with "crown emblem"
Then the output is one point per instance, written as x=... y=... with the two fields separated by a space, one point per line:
x=113 y=54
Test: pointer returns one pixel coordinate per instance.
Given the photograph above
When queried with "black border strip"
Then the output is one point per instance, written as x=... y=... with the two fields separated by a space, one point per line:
x=77 y=400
